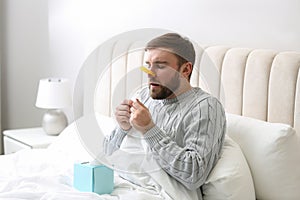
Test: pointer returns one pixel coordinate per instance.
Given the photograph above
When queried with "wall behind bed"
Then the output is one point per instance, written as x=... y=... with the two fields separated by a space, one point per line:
x=53 y=37
x=1 y=49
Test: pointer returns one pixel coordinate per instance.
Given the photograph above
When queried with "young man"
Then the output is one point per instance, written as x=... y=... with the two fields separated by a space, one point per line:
x=183 y=126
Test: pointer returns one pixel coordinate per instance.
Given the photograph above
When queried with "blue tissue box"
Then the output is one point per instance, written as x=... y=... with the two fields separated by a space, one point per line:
x=93 y=178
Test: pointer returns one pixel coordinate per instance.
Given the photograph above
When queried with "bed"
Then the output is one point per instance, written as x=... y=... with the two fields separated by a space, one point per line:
x=259 y=89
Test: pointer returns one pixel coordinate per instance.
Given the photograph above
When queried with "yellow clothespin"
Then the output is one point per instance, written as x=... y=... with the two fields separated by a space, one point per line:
x=144 y=69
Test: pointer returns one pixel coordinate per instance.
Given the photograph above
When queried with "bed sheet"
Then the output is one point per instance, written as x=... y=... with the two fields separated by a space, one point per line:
x=44 y=174
x=48 y=174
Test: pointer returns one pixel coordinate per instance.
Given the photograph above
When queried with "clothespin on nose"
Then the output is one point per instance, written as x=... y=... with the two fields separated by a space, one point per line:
x=144 y=69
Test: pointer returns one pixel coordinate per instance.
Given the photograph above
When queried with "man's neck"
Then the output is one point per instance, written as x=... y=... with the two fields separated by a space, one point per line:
x=180 y=90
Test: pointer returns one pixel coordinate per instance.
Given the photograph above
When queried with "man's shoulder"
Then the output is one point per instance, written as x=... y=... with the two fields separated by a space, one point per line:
x=202 y=96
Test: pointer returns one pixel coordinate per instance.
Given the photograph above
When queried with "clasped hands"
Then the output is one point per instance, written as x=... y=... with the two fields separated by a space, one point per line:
x=134 y=114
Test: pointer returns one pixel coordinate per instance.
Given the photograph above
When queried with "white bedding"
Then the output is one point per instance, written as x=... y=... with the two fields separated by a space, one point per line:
x=48 y=174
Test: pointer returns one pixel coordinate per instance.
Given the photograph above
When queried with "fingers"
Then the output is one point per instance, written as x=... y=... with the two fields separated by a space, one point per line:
x=140 y=117
x=124 y=106
x=123 y=113
x=132 y=110
x=137 y=104
x=123 y=109
x=126 y=102
x=128 y=107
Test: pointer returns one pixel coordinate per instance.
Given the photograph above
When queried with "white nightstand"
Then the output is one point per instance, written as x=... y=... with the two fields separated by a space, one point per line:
x=29 y=138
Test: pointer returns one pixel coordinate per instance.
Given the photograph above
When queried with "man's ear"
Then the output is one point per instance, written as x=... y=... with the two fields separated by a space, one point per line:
x=186 y=69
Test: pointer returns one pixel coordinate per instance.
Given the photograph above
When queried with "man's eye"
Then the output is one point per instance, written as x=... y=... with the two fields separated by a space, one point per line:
x=160 y=66
x=157 y=66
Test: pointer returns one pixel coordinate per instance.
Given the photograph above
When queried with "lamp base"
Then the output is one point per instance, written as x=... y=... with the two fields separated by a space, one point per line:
x=54 y=122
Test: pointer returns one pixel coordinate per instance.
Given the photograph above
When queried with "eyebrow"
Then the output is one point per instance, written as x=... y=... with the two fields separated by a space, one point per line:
x=158 y=62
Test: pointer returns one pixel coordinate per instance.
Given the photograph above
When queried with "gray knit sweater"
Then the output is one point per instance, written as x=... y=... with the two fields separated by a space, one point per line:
x=187 y=138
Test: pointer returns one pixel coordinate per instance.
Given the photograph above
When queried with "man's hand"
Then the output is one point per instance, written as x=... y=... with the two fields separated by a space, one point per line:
x=140 y=117
x=123 y=114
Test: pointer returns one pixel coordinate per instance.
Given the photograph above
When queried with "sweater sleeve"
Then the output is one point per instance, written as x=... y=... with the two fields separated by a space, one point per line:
x=203 y=130
x=113 y=141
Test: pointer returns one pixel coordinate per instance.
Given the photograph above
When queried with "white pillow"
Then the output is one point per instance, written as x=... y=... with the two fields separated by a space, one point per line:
x=231 y=178
x=68 y=143
x=273 y=154
x=71 y=143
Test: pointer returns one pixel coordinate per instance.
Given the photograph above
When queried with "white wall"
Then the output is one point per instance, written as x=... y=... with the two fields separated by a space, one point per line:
x=1 y=17
x=251 y=23
x=54 y=37
x=25 y=60
x=76 y=27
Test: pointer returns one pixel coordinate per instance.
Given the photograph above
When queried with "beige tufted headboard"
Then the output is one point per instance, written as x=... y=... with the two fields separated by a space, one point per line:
x=258 y=83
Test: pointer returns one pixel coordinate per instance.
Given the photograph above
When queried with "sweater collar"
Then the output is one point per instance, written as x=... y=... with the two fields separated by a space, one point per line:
x=178 y=98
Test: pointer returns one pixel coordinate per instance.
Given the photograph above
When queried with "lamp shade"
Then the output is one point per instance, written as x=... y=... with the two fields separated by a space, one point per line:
x=53 y=93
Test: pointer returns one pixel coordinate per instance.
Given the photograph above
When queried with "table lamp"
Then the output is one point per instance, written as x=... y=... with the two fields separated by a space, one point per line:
x=54 y=94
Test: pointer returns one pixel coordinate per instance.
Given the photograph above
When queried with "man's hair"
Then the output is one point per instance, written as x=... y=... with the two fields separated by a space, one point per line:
x=181 y=47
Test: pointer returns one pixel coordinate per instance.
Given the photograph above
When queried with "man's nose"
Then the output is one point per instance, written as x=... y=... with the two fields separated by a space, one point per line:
x=151 y=73
x=147 y=70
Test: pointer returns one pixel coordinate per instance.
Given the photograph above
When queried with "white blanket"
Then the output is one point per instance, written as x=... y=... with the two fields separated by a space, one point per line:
x=48 y=174
x=44 y=174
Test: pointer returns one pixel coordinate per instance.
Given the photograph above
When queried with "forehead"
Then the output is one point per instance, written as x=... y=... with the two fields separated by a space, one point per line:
x=153 y=55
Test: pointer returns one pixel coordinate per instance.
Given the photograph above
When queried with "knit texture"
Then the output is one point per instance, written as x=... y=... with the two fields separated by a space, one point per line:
x=188 y=136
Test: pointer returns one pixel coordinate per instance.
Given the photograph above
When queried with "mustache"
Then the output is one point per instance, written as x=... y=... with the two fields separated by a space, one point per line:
x=154 y=81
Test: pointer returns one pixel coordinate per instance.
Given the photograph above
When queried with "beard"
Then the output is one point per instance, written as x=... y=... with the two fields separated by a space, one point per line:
x=159 y=91
x=162 y=93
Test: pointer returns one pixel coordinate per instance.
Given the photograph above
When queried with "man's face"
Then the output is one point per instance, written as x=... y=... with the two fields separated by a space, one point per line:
x=167 y=78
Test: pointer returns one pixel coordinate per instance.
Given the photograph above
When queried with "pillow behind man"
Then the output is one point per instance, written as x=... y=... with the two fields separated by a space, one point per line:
x=272 y=151
x=231 y=178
